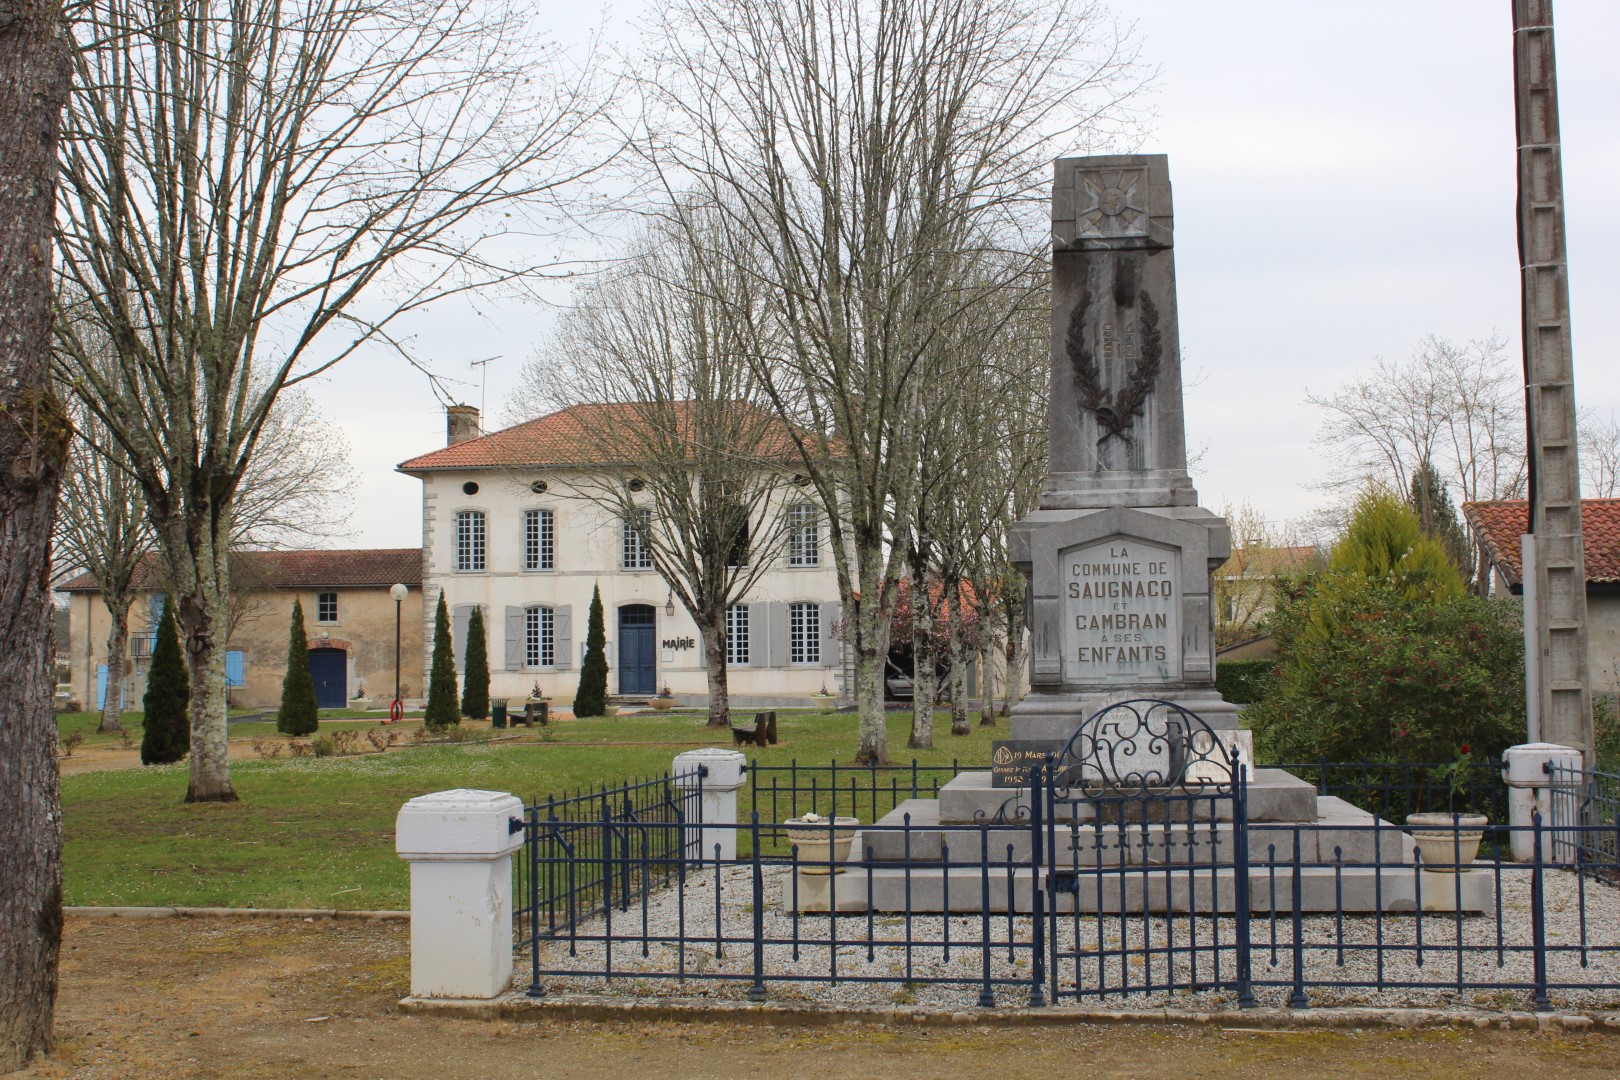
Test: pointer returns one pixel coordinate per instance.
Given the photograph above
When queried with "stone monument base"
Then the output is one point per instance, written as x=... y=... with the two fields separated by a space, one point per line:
x=1048 y=716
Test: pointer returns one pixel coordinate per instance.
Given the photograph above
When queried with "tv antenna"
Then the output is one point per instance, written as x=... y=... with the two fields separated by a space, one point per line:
x=483 y=386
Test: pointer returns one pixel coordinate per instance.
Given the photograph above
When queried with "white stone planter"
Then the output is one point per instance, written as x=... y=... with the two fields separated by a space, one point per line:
x=822 y=844
x=1447 y=842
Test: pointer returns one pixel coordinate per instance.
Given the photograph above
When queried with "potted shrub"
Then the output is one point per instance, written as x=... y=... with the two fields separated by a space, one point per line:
x=1447 y=842
x=823 y=842
x=663 y=701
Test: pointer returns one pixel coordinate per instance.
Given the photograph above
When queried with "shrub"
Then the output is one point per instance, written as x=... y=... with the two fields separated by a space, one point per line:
x=591 y=698
x=1385 y=542
x=441 y=711
x=1243 y=682
x=1366 y=670
x=475 y=669
x=298 y=714
x=167 y=735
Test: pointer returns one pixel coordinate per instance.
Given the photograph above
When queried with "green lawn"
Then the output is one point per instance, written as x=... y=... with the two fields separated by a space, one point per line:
x=319 y=832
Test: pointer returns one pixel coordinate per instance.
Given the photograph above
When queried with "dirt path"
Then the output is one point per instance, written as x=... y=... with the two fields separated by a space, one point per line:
x=272 y=998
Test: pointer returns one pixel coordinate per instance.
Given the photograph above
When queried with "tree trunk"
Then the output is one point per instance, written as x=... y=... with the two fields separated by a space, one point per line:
x=1013 y=686
x=870 y=645
x=923 y=681
x=987 y=685
x=204 y=607
x=714 y=644
x=117 y=647
x=960 y=723
x=34 y=434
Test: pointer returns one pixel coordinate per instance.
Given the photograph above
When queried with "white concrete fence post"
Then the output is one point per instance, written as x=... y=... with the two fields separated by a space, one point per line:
x=460 y=844
x=716 y=774
x=1525 y=770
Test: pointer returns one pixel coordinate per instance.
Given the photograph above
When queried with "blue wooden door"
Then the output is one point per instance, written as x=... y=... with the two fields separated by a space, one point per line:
x=330 y=670
x=638 y=667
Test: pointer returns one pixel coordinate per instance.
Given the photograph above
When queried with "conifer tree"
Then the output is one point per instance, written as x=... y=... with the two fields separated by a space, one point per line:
x=167 y=736
x=297 y=715
x=475 y=669
x=591 y=698
x=441 y=709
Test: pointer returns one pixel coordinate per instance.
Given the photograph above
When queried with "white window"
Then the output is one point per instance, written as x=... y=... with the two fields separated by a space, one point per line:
x=539 y=638
x=326 y=609
x=637 y=556
x=737 y=634
x=539 y=541
x=804 y=633
x=804 y=536
x=469 y=540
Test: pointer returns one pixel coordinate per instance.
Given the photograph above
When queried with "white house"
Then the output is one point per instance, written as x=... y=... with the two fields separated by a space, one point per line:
x=505 y=527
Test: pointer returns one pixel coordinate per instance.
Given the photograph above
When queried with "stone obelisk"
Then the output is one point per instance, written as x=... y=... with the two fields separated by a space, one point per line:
x=1119 y=553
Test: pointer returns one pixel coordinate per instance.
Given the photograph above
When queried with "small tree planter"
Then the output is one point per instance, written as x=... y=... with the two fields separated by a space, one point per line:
x=1447 y=842
x=823 y=843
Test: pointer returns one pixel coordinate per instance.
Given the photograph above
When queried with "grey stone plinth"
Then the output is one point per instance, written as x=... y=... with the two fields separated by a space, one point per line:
x=1059 y=716
x=1274 y=795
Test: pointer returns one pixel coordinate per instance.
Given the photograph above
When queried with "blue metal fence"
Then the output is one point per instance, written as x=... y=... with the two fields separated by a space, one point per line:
x=615 y=888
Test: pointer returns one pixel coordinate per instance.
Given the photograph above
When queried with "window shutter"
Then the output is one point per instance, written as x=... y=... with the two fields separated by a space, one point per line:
x=759 y=635
x=514 y=638
x=779 y=634
x=829 y=638
x=459 y=617
x=562 y=636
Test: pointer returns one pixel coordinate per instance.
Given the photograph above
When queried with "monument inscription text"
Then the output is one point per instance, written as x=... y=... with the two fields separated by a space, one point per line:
x=1121 y=613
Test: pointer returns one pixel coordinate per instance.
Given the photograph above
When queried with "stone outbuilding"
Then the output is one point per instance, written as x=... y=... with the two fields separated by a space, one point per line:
x=349 y=618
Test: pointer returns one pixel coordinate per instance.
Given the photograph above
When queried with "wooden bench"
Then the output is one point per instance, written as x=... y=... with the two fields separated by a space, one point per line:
x=763 y=733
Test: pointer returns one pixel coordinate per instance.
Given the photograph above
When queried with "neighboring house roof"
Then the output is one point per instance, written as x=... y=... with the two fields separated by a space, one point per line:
x=1268 y=561
x=576 y=436
x=337 y=569
x=1501 y=523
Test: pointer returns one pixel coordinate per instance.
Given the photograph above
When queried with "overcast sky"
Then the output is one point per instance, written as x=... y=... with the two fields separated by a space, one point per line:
x=1344 y=185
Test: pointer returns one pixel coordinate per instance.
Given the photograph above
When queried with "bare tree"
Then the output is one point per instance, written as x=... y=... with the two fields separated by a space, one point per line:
x=1245 y=586
x=1600 y=456
x=687 y=448
x=253 y=192
x=1458 y=409
x=855 y=150
x=34 y=76
x=102 y=529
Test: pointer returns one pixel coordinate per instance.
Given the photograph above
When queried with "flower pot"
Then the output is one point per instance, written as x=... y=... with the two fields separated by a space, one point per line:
x=1447 y=842
x=662 y=704
x=822 y=844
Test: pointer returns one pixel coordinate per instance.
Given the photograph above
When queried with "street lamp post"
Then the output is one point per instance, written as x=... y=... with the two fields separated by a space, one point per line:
x=398 y=592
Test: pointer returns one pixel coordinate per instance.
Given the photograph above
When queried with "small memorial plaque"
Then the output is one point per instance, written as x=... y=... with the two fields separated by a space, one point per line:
x=1011 y=759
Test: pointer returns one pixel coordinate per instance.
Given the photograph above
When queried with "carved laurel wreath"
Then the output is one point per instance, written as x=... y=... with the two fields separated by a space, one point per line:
x=1115 y=414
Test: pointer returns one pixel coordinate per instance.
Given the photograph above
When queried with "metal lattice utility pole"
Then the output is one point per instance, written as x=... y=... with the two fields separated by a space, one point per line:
x=1557 y=686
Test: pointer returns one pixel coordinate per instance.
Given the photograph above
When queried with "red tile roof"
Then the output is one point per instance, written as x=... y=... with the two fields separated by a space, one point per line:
x=338 y=569
x=582 y=435
x=1499 y=525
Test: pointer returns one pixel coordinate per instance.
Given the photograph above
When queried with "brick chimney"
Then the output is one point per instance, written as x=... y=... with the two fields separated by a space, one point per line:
x=461 y=424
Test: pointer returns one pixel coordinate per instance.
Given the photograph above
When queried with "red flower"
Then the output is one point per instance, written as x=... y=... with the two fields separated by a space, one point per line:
x=1463 y=748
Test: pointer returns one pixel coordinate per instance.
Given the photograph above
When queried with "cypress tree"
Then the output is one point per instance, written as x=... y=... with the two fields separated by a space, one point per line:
x=475 y=669
x=441 y=709
x=167 y=737
x=591 y=698
x=297 y=715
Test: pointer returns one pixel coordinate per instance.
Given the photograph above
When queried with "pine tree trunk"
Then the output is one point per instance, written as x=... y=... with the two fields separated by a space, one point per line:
x=714 y=645
x=34 y=434
x=117 y=648
x=923 y=681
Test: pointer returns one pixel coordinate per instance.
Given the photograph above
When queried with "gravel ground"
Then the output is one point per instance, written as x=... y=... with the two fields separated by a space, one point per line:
x=865 y=951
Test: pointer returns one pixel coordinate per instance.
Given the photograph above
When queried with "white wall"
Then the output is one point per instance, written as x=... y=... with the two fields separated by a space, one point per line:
x=587 y=542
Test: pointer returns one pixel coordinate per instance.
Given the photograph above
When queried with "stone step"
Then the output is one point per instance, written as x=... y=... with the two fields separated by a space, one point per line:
x=1273 y=795
x=913 y=832
x=1352 y=889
